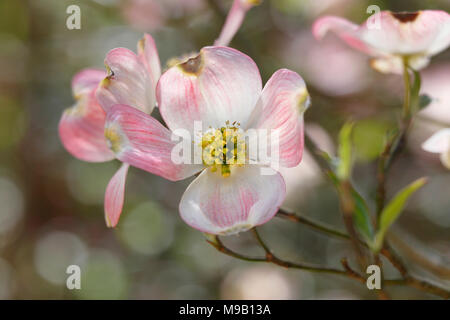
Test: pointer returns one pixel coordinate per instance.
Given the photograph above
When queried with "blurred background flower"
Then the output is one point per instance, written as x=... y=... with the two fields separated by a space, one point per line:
x=51 y=211
x=435 y=83
x=258 y=283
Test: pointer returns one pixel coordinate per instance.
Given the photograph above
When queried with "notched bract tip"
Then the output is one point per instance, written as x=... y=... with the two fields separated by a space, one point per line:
x=141 y=45
x=405 y=17
x=193 y=65
x=304 y=100
x=105 y=82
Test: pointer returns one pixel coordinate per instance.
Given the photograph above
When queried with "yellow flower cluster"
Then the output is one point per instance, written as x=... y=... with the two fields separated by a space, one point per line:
x=224 y=147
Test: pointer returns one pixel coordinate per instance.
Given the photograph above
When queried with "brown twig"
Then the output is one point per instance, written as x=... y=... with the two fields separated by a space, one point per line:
x=409 y=249
x=427 y=287
x=285 y=214
x=395 y=144
x=345 y=196
x=394 y=260
x=382 y=295
x=386 y=251
x=347 y=208
x=350 y=272
x=381 y=176
x=347 y=272
x=217 y=243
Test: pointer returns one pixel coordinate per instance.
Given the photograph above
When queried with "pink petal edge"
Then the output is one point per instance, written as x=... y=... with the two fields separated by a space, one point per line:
x=141 y=141
x=114 y=196
x=226 y=206
x=220 y=84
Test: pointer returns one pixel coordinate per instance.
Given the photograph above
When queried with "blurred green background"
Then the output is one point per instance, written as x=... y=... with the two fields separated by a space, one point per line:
x=51 y=204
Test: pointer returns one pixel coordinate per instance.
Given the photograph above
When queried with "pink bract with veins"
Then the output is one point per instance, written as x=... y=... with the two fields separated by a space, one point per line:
x=132 y=79
x=219 y=86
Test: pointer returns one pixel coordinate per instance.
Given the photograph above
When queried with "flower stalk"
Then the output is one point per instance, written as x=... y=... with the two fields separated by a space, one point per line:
x=395 y=144
x=407 y=96
x=271 y=258
x=387 y=251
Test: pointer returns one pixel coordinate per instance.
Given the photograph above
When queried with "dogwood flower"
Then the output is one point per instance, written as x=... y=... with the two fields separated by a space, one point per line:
x=393 y=39
x=222 y=88
x=132 y=80
x=439 y=143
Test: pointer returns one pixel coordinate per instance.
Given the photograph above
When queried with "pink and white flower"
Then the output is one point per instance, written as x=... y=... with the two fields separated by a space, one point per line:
x=222 y=88
x=439 y=143
x=132 y=80
x=393 y=39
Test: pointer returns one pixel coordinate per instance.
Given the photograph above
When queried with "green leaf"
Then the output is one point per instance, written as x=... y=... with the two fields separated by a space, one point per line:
x=418 y=102
x=369 y=130
x=424 y=101
x=345 y=152
x=394 y=208
x=361 y=217
x=415 y=89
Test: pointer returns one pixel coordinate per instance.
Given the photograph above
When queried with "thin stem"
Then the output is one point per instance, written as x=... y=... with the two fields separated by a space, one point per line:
x=391 y=150
x=407 y=84
x=217 y=243
x=261 y=242
x=282 y=213
x=381 y=178
x=394 y=259
x=420 y=285
x=427 y=287
x=396 y=143
x=407 y=280
x=409 y=249
x=318 y=226
x=347 y=204
x=346 y=199
x=386 y=251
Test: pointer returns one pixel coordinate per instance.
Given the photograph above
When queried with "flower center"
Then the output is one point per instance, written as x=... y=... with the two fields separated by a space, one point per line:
x=223 y=148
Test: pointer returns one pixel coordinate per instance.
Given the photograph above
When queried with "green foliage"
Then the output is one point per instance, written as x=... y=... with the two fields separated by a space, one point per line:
x=344 y=168
x=418 y=101
x=361 y=218
x=424 y=101
x=393 y=210
x=415 y=89
x=369 y=137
